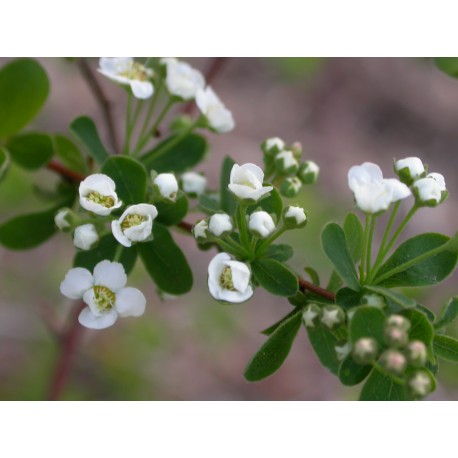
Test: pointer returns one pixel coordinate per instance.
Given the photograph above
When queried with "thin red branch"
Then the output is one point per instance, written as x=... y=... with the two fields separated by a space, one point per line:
x=304 y=284
x=65 y=172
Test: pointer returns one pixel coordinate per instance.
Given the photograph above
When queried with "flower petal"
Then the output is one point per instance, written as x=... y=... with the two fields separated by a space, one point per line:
x=76 y=282
x=400 y=190
x=130 y=302
x=105 y=320
x=142 y=89
x=119 y=234
x=111 y=275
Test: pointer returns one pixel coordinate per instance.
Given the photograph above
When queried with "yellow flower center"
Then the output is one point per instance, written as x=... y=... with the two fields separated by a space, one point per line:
x=136 y=71
x=226 y=279
x=104 y=298
x=105 y=201
x=132 y=220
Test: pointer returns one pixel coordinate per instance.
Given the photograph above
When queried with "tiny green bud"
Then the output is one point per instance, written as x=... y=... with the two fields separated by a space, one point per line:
x=200 y=230
x=273 y=146
x=420 y=383
x=308 y=172
x=365 y=350
x=396 y=337
x=393 y=361
x=398 y=321
x=417 y=353
x=290 y=187
x=296 y=149
x=333 y=316
x=294 y=217
x=181 y=123
x=373 y=300
x=286 y=163
x=65 y=220
x=311 y=315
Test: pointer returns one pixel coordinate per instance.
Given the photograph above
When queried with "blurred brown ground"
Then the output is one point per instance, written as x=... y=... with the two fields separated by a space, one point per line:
x=344 y=111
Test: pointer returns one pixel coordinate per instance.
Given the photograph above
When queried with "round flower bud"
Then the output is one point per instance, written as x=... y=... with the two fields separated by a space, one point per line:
x=85 y=237
x=167 y=185
x=261 y=224
x=273 y=146
x=365 y=350
x=182 y=80
x=220 y=225
x=64 y=219
x=200 y=230
x=417 y=353
x=398 y=321
x=396 y=337
x=290 y=187
x=409 y=169
x=332 y=316
x=373 y=300
x=420 y=384
x=193 y=183
x=308 y=172
x=286 y=163
x=311 y=315
x=441 y=182
x=427 y=192
x=294 y=217
x=296 y=149
x=393 y=361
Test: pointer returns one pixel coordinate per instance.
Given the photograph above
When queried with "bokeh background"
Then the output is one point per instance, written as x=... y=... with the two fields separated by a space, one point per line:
x=344 y=111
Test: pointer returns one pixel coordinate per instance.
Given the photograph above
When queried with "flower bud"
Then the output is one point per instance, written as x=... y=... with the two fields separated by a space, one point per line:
x=181 y=123
x=365 y=350
x=420 y=383
x=441 y=182
x=85 y=237
x=308 y=172
x=261 y=224
x=273 y=146
x=286 y=163
x=427 y=192
x=373 y=300
x=296 y=149
x=167 y=186
x=396 y=337
x=342 y=350
x=290 y=187
x=65 y=219
x=200 y=230
x=409 y=169
x=398 y=321
x=220 y=225
x=193 y=183
x=333 y=316
x=294 y=217
x=311 y=315
x=393 y=361
x=417 y=353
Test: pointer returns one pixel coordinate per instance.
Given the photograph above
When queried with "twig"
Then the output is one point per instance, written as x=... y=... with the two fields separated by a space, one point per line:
x=102 y=99
x=67 y=349
x=304 y=284
x=65 y=172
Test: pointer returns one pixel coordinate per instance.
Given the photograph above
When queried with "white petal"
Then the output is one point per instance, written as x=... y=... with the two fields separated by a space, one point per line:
x=217 y=265
x=241 y=275
x=114 y=65
x=105 y=320
x=142 y=89
x=439 y=178
x=76 y=282
x=239 y=173
x=130 y=302
x=119 y=234
x=140 y=232
x=85 y=236
x=400 y=190
x=110 y=274
x=98 y=182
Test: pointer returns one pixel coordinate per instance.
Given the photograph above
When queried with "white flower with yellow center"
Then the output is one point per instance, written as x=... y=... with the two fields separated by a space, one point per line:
x=105 y=294
x=246 y=182
x=135 y=224
x=127 y=72
x=85 y=237
x=98 y=195
x=167 y=185
x=218 y=116
x=228 y=279
x=261 y=224
x=182 y=80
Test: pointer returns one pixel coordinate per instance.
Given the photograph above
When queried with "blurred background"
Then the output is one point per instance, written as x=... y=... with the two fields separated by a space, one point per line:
x=344 y=111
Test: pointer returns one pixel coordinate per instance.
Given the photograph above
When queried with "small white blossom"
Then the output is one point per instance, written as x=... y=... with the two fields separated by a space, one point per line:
x=127 y=72
x=167 y=185
x=332 y=316
x=105 y=294
x=85 y=237
x=61 y=219
x=440 y=180
x=218 y=116
x=374 y=300
x=420 y=383
x=295 y=216
x=310 y=314
x=291 y=187
x=428 y=191
x=135 y=224
x=246 y=182
x=286 y=162
x=261 y=224
x=273 y=145
x=228 y=279
x=200 y=230
x=409 y=169
x=342 y=350
x=98 y=195
x=193 y=183
x=220 y=224
x=182 y=80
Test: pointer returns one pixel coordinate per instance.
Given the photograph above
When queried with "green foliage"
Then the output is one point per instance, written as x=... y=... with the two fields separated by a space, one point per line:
x=354 y=233
x=336 y=249
x=268 y=331
x=271 y=204
x=448 y=315
x=4 y=162
x=31 y=150
x=24 y=88
x=166 y=263
x=347 y=298
x=275 y=277
x=367 y=322
x=281 y=252
x=209 y=204
x=381 y=387
x=397 y=298
x=420 y=327
x=228 y=201
x=446 y=347
x=273 y=353
x=324 y=343
x=351 y=373
x=69 y=154
x=449 y=65
x=85 y=130
x=171 y=214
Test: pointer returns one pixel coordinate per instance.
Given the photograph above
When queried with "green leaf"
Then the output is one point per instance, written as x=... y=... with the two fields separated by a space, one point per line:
x=4 y=162
x=182 y=156
x=273 y=353
x=69 y=154
x=354 y=233
x=208 y=204
x=268 y=331
x=428 y=272
x=271 y=204
x=448 y=315
x=31 y=150
x=335 y=282
x=171 y=214
x=449 y=65
x=24 y=88
x=165 y=262
x=446 y=348
x=398 y=298
x=380 y=387
x=228 y=200
x=130 y=178
x=280 y=252
x=347 y=298
x=106 y=249
x=420 y=327
x=336 y=249
x=275 y=277
x=367 y=322
x=351 y=373
x=324 y=343
x=85 y=130
x=429 y=314
x=312 y=273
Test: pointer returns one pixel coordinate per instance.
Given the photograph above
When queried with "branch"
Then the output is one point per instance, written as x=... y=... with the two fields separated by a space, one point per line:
x=64 y=172
x=102 y=99
x=304 y=284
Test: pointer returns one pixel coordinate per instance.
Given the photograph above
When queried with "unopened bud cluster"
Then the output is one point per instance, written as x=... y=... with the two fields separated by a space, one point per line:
x=329 y=316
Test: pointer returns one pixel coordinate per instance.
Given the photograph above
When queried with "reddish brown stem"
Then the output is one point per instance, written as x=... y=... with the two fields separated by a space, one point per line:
x=65 y=172
x=304 y=284
x=69 y=342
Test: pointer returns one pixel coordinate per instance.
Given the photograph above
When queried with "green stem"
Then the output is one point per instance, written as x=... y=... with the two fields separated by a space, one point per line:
x=231 y=247
x=254 y=241
x=369 y=245
x=118 y=253
x=242 y=225
x=149 y=113
x=363 y=254
x=128 y=127
x=265 y=244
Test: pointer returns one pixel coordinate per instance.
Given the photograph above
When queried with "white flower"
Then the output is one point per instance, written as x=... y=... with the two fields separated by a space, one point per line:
x=97 y=194
x=440 y=180
x=61 y=219
x=374 y=194
x=310 y=314
x=273 y=145
x=105 y=294
x=85 y=237
x=246 y=182
x=295 y=217
x=167 y=185
x=193 y=183
x=342 y=351
x=409 y=169
x=332 y=316
x=125 y=71
x=220 y=224
x=229 y=280
x=261 y=224
x=200 y=230
x=182 y=80
x=428 y=191
x=286 y=162
x=218 y=116
x=420 y=383
x=135 y=224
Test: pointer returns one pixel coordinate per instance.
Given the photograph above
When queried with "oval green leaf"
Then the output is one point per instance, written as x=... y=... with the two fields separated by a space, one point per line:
x=420 y=326
x=275 y=277
x=31 y=150
x=69 y=154
x=171 y=214
x=324 y=343
x=367 y=322
x=449 y=65
x=446 y=348
x=351 y=373
x=85 y=130
x=354 y=233
x=380 y=387
x=448 y=315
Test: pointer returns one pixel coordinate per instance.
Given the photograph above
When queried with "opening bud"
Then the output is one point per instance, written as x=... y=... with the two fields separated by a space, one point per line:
x=273 y=146
x=200 y=230
x=193 y=183
x=311 y=315
x=294 y=217
x=308 y=172
x=332 y=316
x=65 y=220
x=85 y=237
x=417 y=353
x=286 y=163
x=393 y=361
x=365 y=350
x=420 y=383
x=220 y=225
x=409 y=169
x=290 y=187
x=261 y=224
x=296 y=149
x=166 y=185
